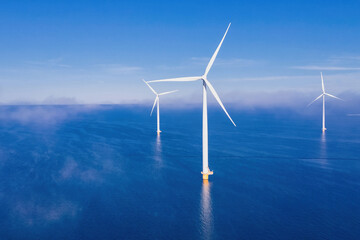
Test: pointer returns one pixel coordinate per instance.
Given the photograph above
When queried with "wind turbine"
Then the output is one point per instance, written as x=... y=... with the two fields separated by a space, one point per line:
x=206 y=84
x=157 y=102
x=323 y=97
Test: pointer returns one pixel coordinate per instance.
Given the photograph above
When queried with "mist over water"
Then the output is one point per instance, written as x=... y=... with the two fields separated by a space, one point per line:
x=101 y=172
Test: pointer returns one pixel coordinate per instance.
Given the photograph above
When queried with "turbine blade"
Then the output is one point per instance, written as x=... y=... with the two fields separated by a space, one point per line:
x=215 y=53
x=315 y=100
x=156 y=99
x=150 y=87
x=167 y=92
x=212 y=90
x=333 y=96
x=322 y=83
x=181 y=79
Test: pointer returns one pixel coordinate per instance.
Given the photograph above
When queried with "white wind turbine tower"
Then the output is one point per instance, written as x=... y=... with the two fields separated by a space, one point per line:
x=157 y=102
x=206 y=84
x=323 y=97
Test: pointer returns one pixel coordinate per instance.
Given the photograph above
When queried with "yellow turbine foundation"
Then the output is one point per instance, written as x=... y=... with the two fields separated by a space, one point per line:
x=206 y=175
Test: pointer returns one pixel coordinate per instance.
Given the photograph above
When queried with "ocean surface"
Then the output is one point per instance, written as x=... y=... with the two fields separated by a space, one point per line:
x=101 y=172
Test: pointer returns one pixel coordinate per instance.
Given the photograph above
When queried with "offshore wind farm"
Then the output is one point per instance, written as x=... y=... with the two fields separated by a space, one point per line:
x=80 y=157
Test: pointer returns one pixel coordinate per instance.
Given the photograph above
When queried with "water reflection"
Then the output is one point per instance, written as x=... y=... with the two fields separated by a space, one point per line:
x=206 y=216
x=323 y=153
x=158 y=150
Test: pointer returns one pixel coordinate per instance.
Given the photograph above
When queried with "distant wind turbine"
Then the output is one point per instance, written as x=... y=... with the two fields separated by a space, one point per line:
x=206 y=171
x=157 y=102
x=323 y=96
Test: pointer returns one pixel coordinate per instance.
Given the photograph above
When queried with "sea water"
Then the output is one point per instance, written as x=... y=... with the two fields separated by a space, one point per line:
x=101 y=172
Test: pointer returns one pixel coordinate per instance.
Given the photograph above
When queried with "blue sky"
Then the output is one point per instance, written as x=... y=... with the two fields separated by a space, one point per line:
x=98 y=51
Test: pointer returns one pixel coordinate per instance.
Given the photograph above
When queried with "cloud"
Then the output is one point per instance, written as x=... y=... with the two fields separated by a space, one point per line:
x=295 y=100
x=38 y=211
x=69 y=168
x=51 y=100
x=43 y=115
x=201 y=63
x=273 y=78
x=56 y=62
x=225 y=62
x=326 y=68
x=119 y=68
x=356 y=58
